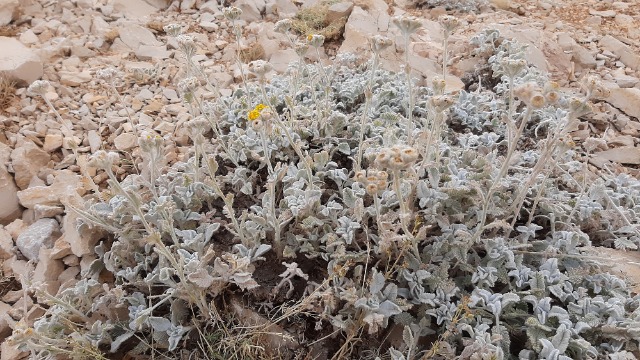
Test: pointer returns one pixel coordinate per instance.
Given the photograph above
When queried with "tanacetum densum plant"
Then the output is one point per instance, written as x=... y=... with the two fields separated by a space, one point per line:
x=308 y=219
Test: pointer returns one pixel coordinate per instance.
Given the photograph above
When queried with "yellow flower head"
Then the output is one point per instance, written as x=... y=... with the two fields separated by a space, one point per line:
x=260 y=107
x=309 y=37
x=254 y=114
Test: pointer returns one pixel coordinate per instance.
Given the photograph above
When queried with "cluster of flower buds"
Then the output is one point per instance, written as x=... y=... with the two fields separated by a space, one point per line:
x=534 y=96
x=104 y=160
x=594 y=87
x=150 y=142
x=283 y=26
x=232 y=13
x=397 y=157
x=513 y=67
x=260 y=116
x=315 y=40
x=441 y=103
x=172 y=29
x=378 y=43
x=108 y=74
x=449 y=24
x=439 y=85
x=407 y=24
x=187 y=45
x=39 y=87
x=374 y=180
x=188 y=85
x=260 y=68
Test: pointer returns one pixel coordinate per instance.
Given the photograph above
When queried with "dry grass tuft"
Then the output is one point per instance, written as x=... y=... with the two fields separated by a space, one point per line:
x=251 y=53
x=313 y=21
x=7 y=92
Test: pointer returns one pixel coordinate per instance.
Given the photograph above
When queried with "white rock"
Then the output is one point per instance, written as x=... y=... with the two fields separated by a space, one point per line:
x=6 y=244
x=95 y=141
x=134 y=35
x=27 y=160
x=47 y=211
x=6 y=322
x=82 y=240
x=42 y=233
x=624 y=20
x=285 y=9
x=359 y=28
x=604 y=14
x=622 y=50
x=10 y=209
x=251 y=9
x=150 y=52
x=47 y=271
x=52 y=142
x=8 y=11
x=623 y=155
x=627 y=100
x=18 y=62
x=583 y=57
x=28 y=37
x=66 y=185
x=159 y=4
x=133 y=9
x=338 y=11
x=125 y=141
x=281 y=59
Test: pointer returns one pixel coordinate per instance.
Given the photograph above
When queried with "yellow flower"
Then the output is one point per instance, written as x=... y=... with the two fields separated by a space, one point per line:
x=260 y=107
x=309 y=37
x=254 y=114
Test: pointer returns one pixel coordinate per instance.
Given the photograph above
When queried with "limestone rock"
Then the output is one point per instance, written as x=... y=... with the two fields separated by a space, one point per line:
x=74 y=78
x=150 y=52
x=8 y=11
x=134 y=9
x=134 y=36
x=6 y=322
x=359 y=28
x=28 y=37
x=18 y=62
x=42 y=233
x=47 y=271
x=82 y=239
x=583 y=58
x=622 y=50
x=10 y=209
x=6 y=245
x=27 y=160
x=125 y=141
x=281 y=59
x=251 y=9
x=338 y=11
x=622 y=155
x=286 y=9
x=66 y=185
x=627 y=100
x=52 y=142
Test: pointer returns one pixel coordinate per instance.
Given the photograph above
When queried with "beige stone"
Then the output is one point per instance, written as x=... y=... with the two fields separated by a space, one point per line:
x=52 y=142
x=47 y=271
x=625 y=99
x=66 y=185
x=622 y=50
x=42 y=233
x=6 y=244
x=6 y=322
x=8 y=11
x=622 y=155
x=9 y=351
x=27 y=161
x=18 y=62
x=10 y=209
x=81 y=240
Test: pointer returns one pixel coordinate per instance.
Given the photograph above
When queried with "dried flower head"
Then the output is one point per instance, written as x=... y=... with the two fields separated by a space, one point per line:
x=374 y=180
x=398 y=157
x=108 y=74
x=38 y=87
x=378 y=43
x=513 y=67
x=301 y=48
x=260 y=68
x=407 y=24
x=173 y=29
x=439 y=85
x=449 y=23
x=187 y=45
x=188 y=85
x=578 y=107
x=441 y=102
x=104 y=160
x=283 y=26
x=150 y=142
x=232 y=13
x=537 y=100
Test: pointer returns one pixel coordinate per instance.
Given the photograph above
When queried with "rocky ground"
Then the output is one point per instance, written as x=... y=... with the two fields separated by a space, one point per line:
x=67 y=42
